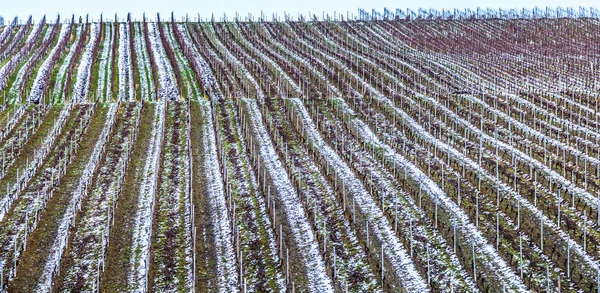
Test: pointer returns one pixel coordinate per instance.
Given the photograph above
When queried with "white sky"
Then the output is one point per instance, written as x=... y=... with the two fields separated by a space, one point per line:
x=37 y=8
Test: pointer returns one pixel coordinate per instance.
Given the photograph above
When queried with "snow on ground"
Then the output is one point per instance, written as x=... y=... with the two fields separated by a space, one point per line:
x=406 y=208
x=143 y=64
x=7 y=30
x=7 y=69
x=590 y=261
x=125 y=65
x=519 y=155
x=270 y=61
x=166 y=79
x=62 y=71
x=84 y=71
x=191 y=84
x=44 y=71
x=15 y=90
x=303 y=60
x=227 y=273
x=38 y=157
x=142 y=233
x=209 y=82
x=297 y=220
x=89 y=242
x=60 y=242
x=240 y=66
x=464 y=225
x=105 y=66
x=396 y=255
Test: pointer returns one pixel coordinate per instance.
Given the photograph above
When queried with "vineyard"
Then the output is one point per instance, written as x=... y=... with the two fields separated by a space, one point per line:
x=406 y=152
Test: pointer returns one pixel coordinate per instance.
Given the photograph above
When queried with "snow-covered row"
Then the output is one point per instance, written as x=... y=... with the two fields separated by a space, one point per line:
x=199 y=64
x=143 y=64
x=331 y=241
x=13 y=121
x=530 y=131
x=15 y=90
x=142 y=233
x=62 y=71
x=12 y=146
x=465 y=226
x=552 y=117
x=414 y=62
x=344 y=263
x=579 y=192
x=13 y=42
x=319 y=75
x=525 y=206
x=68 y=219
x=191 y=84
x=336 y=61
x=270 y=61
x=446 y=269
x=125 y=65
x=172 y=254
x=338 y=49
x=84 y=71
x=394 y=251
x=244 y=186
x=105 y=65
x=25 y=215
x=89 y=242
x=577 y=250
x=413 y=123
x=38 y=157
x=45 y=69
x=202 y=56
x=9 y=66
x=242 y=68
x=571 y=103
x=186 y=196
x=227 y=273
x=32 y=37
x=475 y=79
x=296 y=218
x=410 y=53
x=245 y=191
x=167 y=84
x=8 y=30
x=347 y=258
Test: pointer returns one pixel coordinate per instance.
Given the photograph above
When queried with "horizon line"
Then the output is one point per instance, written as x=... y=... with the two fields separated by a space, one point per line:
x=478 y=13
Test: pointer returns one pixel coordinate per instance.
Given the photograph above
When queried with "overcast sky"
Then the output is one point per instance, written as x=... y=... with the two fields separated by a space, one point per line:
x=37 y=8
